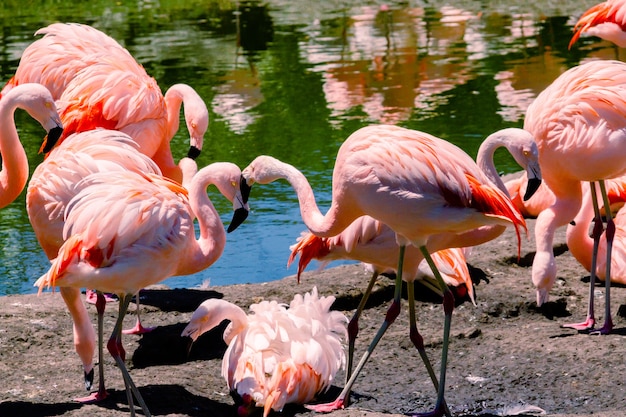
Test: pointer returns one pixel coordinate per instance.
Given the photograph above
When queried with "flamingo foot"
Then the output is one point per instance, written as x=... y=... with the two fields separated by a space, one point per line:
x=138 y=329
x=91 y=297
x=92 y=398
x=585 y=325
x=605 y=329
x=338 y=404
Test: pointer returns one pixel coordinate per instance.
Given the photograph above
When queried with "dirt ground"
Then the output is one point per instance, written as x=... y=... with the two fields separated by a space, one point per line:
x=505 y=353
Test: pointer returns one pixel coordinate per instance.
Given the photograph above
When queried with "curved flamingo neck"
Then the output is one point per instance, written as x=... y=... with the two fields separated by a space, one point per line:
x=484 y=159
x=209 y=247
x=553 y=217
x=174 y=98
x=14 y=172
x=238 y=320
x=319 y=224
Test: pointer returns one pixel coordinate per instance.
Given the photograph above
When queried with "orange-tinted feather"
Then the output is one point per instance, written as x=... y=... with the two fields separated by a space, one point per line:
x=310 y=247
x=492 y=201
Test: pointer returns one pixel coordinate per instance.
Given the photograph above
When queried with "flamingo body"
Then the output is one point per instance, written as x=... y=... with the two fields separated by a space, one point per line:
x=579 y=122
x=126 y=230
x=97 y=83
x=277 y=355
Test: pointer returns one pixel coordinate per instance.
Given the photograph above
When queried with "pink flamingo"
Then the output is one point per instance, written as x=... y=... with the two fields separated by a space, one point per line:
x=606 y=20
x=126 y=230
x=417 y=184
x=579 y=123
x=581 y=245
x=276 y=355
x=370 y=241
x=38 y=102
x=53 y=184
x=97 y=83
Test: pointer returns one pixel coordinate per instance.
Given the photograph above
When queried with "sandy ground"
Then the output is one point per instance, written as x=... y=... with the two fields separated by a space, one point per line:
x=505 y=353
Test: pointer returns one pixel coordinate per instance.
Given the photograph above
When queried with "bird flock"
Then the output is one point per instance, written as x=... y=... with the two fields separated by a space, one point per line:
x=114 y=212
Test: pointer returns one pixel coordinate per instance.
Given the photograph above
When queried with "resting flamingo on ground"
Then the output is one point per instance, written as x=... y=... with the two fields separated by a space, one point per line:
x=370 y=241
x=53 y=184
x=97 y=83
x=126 y=230
x=276 y=355
x=38 y=102
x=581 y=245
x=579 y=123
x=417 y=184
x=606 y=20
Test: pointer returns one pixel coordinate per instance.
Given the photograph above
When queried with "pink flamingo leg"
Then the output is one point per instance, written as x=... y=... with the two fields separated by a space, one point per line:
x=139 y=328
x=392 y=314
x=418 y=341
x=102 y=393
x=441 y=407
x=610 y=234
x=91 y=296
x=590 y=321
x=116 y=350
x=353 y=325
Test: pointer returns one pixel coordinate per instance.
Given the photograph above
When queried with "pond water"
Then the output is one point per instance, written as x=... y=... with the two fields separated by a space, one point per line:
x=293 y=79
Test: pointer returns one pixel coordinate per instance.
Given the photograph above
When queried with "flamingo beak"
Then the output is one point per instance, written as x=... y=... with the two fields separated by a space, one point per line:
x=193 y=152
x=240 y=215
x=533 y=185
x=245 y=189
x=51 y=139
x=89 y=379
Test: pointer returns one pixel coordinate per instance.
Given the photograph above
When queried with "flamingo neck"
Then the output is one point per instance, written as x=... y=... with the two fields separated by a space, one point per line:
x=173 y=102
x=238 y=321
x=210 y=245
x=14 y=172
x=484 y=159
x=319 y=224
x=553 y=217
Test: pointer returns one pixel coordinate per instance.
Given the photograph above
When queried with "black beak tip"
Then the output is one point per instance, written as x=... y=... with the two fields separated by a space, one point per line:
x=240 y=215
x=244 y=188
x=89 y=380
x=193 y=152
x=532 y=187
x=53 y=137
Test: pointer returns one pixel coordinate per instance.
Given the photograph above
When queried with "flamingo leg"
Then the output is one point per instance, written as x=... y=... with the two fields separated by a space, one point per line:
x=102 y=393
x=610 y=234
x=392 y=314
x=116 y=350
x=590 y=321
x=353 y=325
x=139 y=328
x=418 y=340
x=448 y=306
